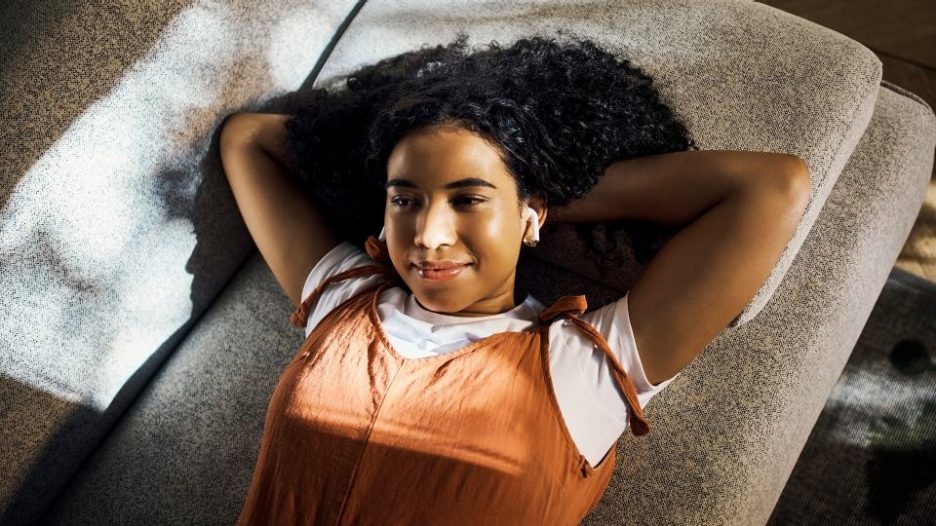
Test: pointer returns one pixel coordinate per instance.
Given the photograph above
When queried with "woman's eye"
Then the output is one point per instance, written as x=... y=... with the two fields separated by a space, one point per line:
x=470 y=200
x=405 y=201
x=397 y=201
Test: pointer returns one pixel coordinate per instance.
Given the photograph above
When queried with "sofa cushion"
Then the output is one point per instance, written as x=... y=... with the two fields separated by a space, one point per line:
x=185 y=453
x=112 y=245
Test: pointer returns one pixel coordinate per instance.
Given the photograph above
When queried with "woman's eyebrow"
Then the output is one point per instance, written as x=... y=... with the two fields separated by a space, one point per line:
x=461 y=183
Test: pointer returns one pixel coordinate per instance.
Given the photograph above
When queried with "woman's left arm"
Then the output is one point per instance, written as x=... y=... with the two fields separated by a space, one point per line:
x=742 y=209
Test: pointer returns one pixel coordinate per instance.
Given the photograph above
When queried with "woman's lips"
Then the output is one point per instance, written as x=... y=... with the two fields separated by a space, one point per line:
x=440 y=274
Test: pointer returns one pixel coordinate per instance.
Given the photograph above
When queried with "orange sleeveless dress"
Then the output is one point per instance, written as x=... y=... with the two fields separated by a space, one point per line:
x=356 y=433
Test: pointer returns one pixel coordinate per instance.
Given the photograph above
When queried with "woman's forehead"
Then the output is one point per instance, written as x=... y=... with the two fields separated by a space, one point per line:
x=446 y=155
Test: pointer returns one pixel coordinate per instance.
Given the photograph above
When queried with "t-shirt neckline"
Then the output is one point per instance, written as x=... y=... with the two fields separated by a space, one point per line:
x=524 y=311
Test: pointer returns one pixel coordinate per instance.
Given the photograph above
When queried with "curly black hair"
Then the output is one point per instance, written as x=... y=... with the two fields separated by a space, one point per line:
x=559 y=111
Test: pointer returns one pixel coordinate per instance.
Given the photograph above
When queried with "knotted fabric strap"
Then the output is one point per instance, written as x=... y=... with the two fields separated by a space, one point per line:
x=377 y=250
x=563 y=305
x=570 y=307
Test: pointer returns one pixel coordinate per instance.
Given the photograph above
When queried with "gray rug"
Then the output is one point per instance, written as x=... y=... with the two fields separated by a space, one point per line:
x=871 y=458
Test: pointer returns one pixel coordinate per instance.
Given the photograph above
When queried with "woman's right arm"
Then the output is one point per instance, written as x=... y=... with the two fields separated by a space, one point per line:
x=291 y=234
x=743 y=209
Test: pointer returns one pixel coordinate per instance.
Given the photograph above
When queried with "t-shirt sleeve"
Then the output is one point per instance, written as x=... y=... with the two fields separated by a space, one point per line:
x=342 y=257
x=613 y=322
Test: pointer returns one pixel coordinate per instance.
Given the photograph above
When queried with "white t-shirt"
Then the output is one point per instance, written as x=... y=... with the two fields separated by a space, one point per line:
x=592 y=405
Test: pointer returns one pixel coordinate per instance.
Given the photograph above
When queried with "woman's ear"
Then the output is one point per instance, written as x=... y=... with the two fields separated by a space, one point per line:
x=539 y=204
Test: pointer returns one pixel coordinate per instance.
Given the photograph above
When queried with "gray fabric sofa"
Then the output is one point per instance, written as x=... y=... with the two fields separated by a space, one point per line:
x=143 y=333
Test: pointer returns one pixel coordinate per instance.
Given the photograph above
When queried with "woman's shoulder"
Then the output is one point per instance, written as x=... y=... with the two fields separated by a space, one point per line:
x=612 y=322
x=342 y=257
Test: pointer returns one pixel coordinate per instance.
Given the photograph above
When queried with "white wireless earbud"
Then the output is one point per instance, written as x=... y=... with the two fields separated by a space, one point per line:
x=382 y=237
x=533 y=218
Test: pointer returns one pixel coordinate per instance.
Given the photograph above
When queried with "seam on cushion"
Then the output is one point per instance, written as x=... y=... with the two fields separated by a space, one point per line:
x=906 y=93
x=871 y=96
x=188 y=327
x=326 y=53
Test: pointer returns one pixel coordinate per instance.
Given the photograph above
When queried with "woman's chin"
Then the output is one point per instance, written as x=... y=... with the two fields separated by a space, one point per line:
x=436 y=303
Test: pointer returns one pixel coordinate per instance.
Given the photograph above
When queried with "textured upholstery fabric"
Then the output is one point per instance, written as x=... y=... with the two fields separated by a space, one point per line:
x=132 y=359
x=117 y=227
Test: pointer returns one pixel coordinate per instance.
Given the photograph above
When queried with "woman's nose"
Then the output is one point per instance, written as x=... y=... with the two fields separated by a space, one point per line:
x=435 y=227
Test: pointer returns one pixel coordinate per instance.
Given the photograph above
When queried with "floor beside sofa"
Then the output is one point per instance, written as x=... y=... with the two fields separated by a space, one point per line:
x=871 y=457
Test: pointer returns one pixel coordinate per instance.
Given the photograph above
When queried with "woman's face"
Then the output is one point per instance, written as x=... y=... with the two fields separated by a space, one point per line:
x=451 y=198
